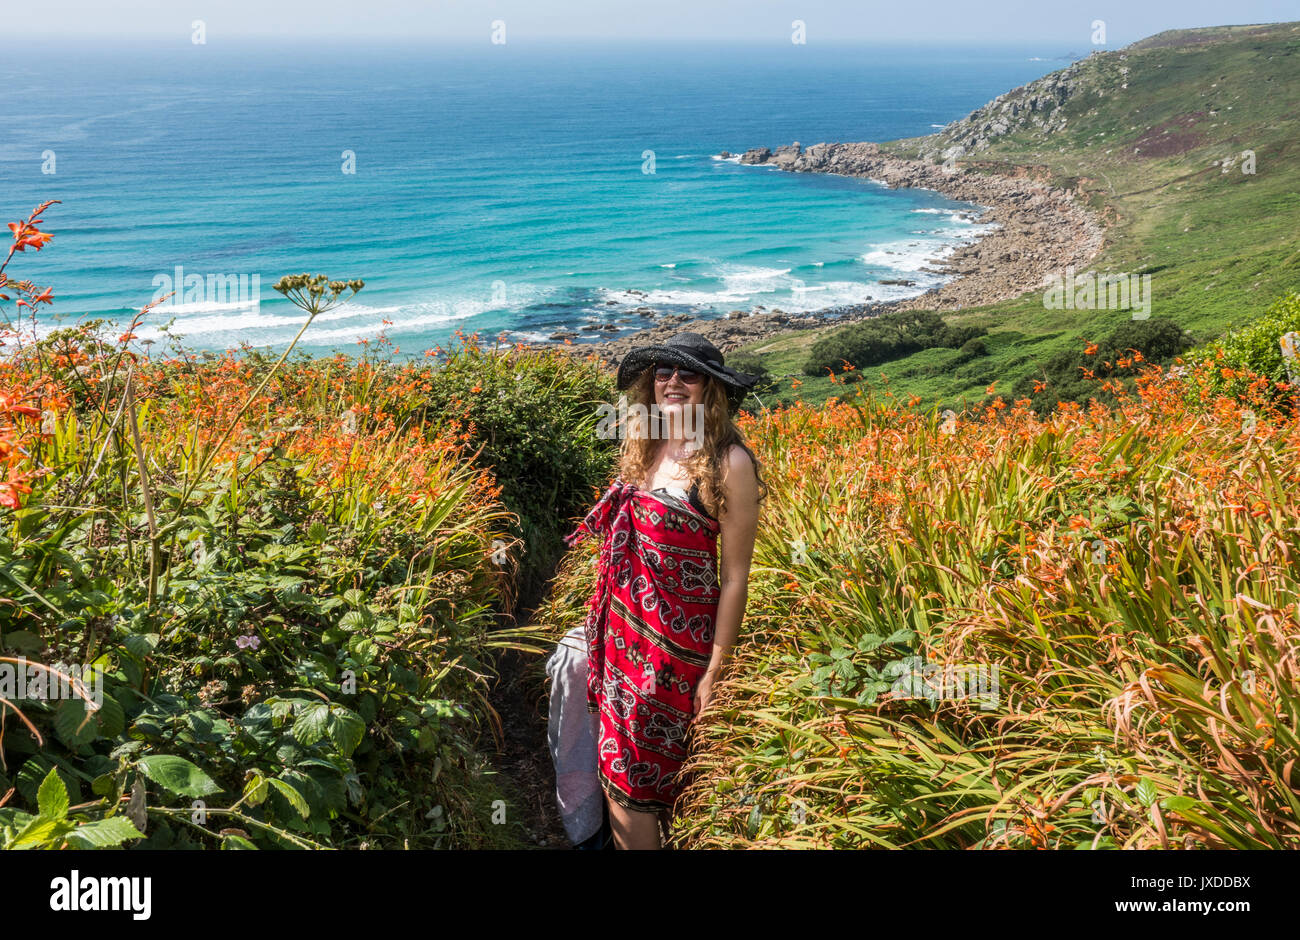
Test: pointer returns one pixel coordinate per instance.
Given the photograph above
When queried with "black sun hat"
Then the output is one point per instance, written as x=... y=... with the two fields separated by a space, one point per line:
x=690 y=351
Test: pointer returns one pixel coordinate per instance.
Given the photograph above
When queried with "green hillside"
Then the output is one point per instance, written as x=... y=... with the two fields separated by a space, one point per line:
x=1155 y=137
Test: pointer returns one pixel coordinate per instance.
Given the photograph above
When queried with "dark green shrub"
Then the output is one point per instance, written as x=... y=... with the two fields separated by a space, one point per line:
x=884 y=338
x=533 y=413
x=1064 y=377
x=955 y=337
x=971 y=349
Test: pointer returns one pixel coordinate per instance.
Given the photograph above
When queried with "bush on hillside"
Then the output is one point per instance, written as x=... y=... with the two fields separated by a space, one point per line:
x=532 y=415
x=884 y=338
x=1250 y=353
x=971 y=349
x=1071 y=375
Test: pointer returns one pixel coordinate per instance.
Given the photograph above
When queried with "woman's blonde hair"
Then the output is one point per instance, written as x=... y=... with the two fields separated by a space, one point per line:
x=707 y=464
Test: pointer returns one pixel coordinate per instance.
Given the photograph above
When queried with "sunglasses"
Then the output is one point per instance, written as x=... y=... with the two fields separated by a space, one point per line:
x=665 y=372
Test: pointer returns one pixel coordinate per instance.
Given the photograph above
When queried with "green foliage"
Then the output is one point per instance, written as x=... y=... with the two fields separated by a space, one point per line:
x=1065 y=377
x=1251 y=351
x=753 y=365
x=533 y=418
x=51 y=827
x=884 y=338
x=973 y=348
x=284 y=640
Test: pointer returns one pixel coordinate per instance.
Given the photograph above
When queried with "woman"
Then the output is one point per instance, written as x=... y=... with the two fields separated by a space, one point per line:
x=665 y=613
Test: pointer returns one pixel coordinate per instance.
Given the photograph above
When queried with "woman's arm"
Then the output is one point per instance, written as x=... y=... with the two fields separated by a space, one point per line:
x=739 y=523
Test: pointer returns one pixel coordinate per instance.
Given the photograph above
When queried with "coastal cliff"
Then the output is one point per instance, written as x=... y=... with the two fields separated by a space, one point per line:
x=1040 y=229
x=1175 y=155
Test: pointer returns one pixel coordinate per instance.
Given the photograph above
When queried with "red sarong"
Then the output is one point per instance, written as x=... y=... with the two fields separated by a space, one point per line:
x=649 y=626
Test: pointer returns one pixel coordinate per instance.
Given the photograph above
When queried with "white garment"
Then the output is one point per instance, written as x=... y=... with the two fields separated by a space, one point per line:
x=573 y=733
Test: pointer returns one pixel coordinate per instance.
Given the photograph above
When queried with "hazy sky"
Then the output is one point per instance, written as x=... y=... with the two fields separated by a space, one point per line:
x=984 y=21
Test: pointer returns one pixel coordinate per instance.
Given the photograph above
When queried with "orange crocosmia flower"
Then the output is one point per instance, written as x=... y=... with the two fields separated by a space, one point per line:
x=1079 y=522
x=989 y=390
x=1039 y=386
x=791 y=585
x=1090 y=349
x=477 y=388
x=28 y=237
x=10 y=488
x=1226 y=373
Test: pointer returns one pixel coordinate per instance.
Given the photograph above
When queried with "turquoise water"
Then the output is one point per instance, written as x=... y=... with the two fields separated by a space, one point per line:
x=501 y=188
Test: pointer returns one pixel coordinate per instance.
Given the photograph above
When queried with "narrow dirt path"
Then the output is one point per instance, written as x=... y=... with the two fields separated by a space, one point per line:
x=521 y=698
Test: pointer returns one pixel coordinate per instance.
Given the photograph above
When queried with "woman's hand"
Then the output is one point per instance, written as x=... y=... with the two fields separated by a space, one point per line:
x=704 y=693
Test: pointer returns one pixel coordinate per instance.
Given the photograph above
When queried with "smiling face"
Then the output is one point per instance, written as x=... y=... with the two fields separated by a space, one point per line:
x=680 y=402
x=674 y=394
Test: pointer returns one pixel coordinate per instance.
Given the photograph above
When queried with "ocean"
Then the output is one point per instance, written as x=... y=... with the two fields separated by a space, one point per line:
x=515 y=191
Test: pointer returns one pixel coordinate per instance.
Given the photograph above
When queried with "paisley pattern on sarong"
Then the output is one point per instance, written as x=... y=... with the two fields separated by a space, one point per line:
x=649 y=627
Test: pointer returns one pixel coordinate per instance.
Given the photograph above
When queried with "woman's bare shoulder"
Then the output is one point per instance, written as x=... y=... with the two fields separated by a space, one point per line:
x=740 y=470
x=738 y=458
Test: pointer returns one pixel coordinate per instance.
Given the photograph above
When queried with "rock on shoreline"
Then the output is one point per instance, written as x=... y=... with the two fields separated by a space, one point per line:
x=1039 y=231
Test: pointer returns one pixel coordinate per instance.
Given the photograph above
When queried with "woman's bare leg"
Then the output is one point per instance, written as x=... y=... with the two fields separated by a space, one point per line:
x=633 y=829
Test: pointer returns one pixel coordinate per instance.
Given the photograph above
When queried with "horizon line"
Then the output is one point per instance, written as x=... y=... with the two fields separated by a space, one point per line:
x=182 y=38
